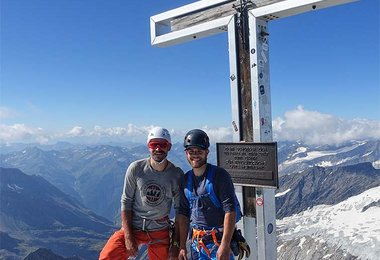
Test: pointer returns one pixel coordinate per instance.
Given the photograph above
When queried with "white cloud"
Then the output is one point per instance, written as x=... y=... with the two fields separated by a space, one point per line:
x=220 y=134
x=311 y=127
x=76 y=131
x=111 y=131
x=134 y=130
x=130 y=131
x=22 y=133
x=314 y=127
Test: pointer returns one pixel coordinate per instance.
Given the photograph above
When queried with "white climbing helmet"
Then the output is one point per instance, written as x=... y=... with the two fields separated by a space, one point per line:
x=159 y=133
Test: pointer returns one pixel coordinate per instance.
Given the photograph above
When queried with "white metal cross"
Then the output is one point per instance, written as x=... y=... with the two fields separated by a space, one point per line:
x=208 y=17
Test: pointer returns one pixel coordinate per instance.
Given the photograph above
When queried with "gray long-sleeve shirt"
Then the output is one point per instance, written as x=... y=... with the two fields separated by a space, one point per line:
x=149 y=194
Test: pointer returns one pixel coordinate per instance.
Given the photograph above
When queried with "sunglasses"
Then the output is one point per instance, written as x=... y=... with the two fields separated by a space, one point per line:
x=162 y=145
x=194 y=151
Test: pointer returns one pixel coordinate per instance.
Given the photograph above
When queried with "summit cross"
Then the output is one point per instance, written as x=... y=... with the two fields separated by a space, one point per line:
x=246 y=23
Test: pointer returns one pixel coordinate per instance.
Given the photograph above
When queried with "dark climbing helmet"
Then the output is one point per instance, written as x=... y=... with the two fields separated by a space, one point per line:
x=197 y=138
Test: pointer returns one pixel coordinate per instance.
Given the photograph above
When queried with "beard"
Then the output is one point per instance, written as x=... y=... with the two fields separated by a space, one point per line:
x=197 y=163
x=158 y=156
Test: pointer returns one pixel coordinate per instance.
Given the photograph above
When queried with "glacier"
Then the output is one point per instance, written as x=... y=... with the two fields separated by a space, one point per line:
x=353 y=224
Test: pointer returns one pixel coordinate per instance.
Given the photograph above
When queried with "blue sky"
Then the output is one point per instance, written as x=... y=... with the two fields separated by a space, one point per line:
x=72 y=70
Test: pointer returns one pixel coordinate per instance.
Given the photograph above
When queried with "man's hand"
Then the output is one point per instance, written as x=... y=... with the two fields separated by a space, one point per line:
x=182 y=254
x=224 y=252
x=131 y=245
x=173 y=252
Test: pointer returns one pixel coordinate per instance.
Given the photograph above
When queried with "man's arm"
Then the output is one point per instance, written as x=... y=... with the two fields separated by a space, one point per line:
x=126 y=224
x=224 y=250
x=225 y=191
x=174 y=247
x=183 y=224
x=183 y=219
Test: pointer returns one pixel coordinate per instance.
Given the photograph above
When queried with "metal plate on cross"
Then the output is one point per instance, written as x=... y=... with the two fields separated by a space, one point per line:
x=250 y=164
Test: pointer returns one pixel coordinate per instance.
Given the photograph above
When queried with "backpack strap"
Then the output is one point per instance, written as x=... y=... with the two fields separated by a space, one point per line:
x=210 y=192
x=189 y=187
x=212 y=195
x=210 y=186
x=192 y=198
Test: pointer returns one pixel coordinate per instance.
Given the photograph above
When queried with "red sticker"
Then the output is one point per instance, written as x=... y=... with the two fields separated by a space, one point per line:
x=259 y=201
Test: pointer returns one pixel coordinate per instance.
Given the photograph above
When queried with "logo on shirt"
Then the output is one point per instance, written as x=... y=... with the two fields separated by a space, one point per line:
x=154 y=194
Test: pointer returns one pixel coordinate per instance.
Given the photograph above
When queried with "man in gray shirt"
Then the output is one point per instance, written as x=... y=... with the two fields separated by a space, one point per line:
x=151 y=185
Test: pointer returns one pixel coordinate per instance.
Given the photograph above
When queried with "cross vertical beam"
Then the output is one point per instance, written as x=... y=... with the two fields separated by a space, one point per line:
x=251 y=119
x=241 y=105
x=262 y=132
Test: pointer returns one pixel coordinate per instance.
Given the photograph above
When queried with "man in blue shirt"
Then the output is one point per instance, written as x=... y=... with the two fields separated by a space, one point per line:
x=207 y=203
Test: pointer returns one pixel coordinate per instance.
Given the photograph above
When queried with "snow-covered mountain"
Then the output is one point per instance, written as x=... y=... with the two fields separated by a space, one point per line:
x=296 y=157
x=351 y=228
x=319 y=185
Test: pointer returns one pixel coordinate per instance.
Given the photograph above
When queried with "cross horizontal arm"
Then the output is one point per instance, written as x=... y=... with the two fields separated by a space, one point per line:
x=208 y=17
x=191 y=33
x=292 y=7
x=188 y=9
x=216 y=11
x=164 y=25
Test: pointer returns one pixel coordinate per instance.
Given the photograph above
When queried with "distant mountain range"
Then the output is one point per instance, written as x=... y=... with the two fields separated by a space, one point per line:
x=36 y=214
x=93 y=175
x=296 y=157
x=318 y=185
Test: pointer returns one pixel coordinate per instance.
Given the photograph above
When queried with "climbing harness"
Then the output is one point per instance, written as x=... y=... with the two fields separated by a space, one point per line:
x=164 y=219
x=204 y=237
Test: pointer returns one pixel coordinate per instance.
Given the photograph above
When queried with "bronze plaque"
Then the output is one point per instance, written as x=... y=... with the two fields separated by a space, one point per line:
x=250 y=164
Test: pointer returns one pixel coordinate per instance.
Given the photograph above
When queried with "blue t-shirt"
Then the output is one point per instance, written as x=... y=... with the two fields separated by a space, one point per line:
x=206 y=214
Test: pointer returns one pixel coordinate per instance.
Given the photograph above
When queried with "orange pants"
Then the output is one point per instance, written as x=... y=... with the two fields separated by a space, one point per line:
x=157 y=241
